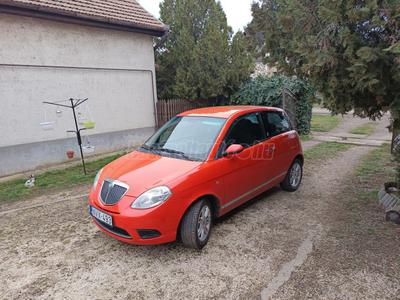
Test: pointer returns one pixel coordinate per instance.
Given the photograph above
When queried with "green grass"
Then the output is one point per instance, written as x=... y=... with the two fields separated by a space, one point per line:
x=378 y=161
x=325 y=150
x=324 y=123
x=372 y=171
x=60 y=179
x=305 y=138
x=365 y=129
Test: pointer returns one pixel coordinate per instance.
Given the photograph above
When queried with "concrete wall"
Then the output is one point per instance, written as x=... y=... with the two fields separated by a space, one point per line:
x=50 y=61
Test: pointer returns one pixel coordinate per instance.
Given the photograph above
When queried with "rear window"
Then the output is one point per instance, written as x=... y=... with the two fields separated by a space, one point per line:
x=275 y=122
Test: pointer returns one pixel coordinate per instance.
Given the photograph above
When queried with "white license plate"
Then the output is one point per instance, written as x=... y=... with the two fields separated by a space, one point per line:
x=101 y=216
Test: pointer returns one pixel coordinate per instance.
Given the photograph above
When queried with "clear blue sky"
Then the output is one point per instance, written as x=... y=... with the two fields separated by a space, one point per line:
x=237 y=12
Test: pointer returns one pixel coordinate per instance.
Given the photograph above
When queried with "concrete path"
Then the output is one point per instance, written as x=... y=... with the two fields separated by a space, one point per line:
x=341 y=133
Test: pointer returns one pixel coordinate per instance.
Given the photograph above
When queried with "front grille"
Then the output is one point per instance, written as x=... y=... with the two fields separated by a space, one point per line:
x=116 y=230
x=112 y=191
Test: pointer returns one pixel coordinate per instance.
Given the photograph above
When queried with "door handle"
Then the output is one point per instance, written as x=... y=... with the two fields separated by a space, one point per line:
x=270 y=149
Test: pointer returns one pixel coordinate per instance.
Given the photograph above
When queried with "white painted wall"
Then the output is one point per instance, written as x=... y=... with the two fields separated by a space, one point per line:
x=118 y=100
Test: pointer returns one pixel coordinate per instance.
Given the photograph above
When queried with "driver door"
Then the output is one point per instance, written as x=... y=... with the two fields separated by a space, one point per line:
x=242 y=171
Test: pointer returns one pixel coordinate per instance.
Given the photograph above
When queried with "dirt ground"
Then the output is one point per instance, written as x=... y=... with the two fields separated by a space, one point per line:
x=280 y=245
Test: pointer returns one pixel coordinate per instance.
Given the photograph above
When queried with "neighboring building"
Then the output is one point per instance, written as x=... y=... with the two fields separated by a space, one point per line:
x=262 y=69
x=61 y=49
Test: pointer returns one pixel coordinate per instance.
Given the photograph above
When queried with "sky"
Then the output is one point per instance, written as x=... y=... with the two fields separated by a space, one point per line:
x=238 y=12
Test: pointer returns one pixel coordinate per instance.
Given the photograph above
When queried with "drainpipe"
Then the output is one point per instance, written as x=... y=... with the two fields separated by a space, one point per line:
x=164 y=38
x=162 y=41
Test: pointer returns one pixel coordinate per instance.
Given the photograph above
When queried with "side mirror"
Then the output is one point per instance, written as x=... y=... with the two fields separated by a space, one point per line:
x=233 y=149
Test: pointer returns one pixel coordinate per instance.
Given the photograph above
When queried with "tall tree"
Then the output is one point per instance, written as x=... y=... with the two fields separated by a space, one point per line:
x=200 y=59
x=348 y=49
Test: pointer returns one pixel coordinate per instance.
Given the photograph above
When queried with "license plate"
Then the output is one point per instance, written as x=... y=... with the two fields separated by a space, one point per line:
x=101 y=216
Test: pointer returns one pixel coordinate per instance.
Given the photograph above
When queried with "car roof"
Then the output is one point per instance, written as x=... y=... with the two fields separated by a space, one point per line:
x=225 y=111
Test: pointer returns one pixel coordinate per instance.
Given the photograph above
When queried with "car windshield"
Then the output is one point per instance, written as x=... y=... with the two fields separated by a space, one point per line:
x=188 y=138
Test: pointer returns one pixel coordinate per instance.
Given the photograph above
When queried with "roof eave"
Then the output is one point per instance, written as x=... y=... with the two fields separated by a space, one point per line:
x=79 y=19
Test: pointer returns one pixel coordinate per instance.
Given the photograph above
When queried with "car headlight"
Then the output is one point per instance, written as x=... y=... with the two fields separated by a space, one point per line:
x=152 y=197
x=96 y=179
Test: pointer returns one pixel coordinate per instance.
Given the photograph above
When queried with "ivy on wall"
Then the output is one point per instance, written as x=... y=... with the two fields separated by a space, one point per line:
x=269 y=92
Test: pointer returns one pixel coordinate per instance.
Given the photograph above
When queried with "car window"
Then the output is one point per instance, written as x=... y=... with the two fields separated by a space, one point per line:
x=246 y=131
x=186 y=137
x=275 y=122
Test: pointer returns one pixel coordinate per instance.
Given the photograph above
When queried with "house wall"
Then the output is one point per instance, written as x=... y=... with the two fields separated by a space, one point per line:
x=50 y=61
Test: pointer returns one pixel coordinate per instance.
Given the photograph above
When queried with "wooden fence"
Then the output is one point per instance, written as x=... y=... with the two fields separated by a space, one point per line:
x=167 y=109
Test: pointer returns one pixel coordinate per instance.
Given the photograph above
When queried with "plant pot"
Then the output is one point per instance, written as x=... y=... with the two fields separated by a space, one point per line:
x=88 y=124
x=70 y=154
x=88 y=150
x=47 y=125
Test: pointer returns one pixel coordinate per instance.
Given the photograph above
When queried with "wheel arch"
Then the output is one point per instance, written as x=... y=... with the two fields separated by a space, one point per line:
x=300 y=157
x=214 y=201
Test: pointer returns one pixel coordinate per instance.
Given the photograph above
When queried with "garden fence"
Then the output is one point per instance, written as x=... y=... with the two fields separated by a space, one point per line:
x=167 y=109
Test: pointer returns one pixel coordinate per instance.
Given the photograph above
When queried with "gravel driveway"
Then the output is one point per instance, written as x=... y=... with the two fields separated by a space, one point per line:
x=270 y=248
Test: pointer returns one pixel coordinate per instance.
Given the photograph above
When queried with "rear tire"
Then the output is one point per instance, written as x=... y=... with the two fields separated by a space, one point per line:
x=196 y=225
x=293 y=176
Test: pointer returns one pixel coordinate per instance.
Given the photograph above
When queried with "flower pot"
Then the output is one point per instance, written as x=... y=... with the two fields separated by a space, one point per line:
x=88 y=124
x=88 y=150
x=70 y=154
x=47 y=125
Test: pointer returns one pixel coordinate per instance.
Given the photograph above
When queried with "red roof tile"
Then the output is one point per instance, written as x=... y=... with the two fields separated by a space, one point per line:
x=122 y=12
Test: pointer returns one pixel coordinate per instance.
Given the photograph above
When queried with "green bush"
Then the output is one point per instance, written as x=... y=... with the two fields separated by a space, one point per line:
x=268 y=92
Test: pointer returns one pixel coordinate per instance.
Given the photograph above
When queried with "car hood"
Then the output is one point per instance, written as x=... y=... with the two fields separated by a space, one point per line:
x=143 y=171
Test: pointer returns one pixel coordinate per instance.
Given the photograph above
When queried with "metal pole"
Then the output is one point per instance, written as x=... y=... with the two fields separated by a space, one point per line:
x=283 y=98
x=78 y=134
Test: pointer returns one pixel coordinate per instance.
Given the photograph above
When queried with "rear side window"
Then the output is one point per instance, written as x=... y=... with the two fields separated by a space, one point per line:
x=246 y=131
x=275 y=122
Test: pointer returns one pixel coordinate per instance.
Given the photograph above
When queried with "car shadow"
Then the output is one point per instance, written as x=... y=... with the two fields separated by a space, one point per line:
x=263 y=196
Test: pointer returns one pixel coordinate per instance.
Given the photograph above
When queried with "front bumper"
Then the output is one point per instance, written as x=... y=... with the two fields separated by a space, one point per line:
x=151 y=226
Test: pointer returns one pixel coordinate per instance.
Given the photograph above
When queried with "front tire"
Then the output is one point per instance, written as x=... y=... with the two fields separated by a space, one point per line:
x=293 y=176
x=196 y=225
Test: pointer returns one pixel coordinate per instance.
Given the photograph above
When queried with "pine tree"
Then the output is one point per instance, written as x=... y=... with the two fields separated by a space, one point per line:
x=348 y=49
x=200 y=59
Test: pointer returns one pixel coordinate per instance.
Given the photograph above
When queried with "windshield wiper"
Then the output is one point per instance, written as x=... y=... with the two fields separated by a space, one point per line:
x=182 y=154
x=151 y=149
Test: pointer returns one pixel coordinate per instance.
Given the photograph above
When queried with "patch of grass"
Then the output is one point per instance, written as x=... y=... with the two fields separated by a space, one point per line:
x=371 y=172
x=365 y=129
x=305 y=138
x=325 y=150
x=246 y=250
x=324 y=123
x=351 y=203
x=70 y=177
x=378 y=161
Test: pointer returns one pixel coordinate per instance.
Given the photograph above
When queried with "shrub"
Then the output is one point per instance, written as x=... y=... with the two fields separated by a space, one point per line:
x=269 y=92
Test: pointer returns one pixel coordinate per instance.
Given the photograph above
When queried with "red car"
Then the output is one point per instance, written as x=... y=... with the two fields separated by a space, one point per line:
x=197 y=167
